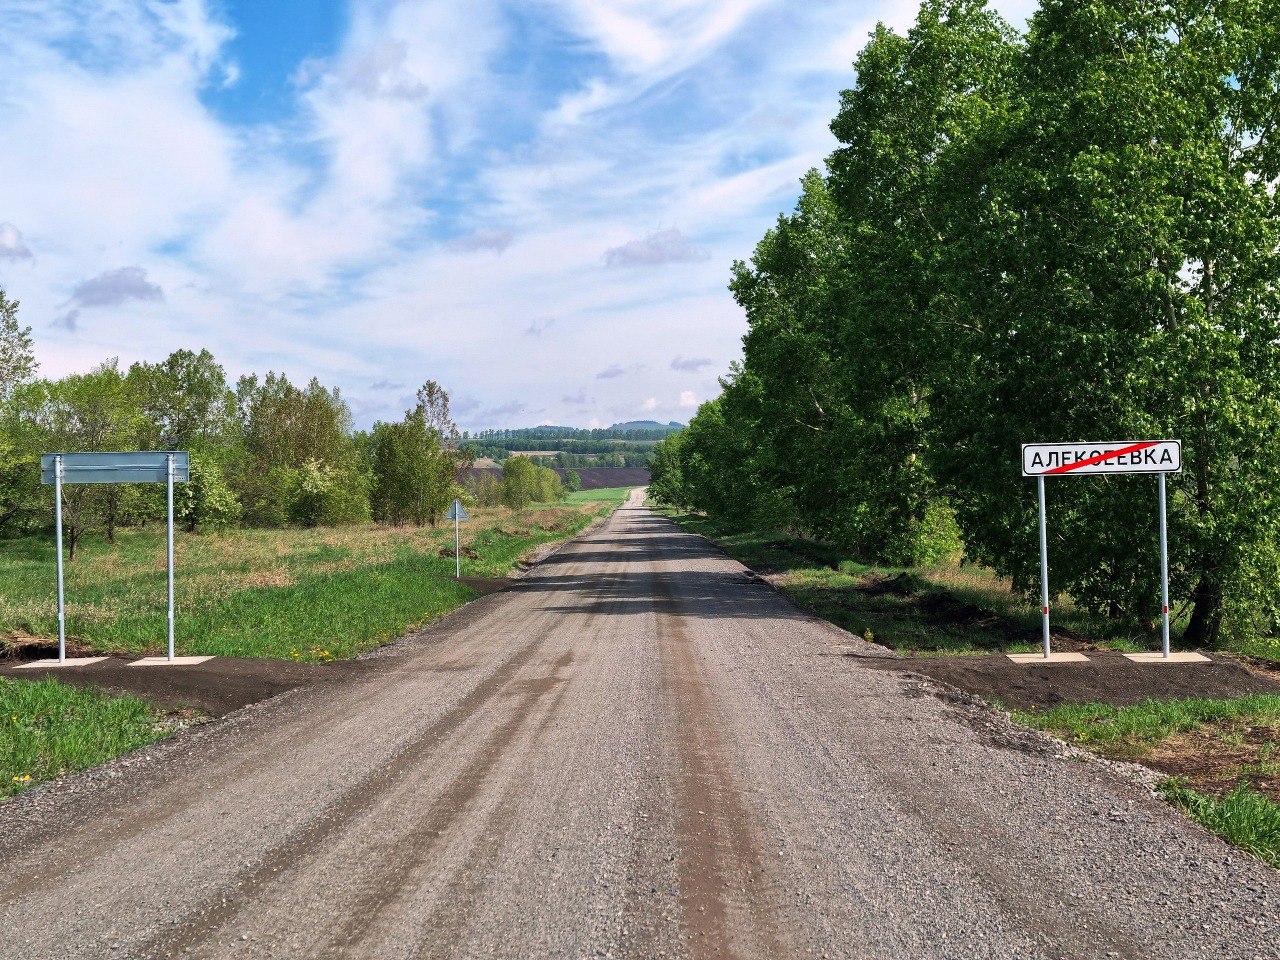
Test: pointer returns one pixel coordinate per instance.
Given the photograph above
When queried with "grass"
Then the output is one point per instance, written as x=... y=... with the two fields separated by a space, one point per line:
x=948 y=609
x=48 y=729
x=1223 y=756
x=315 y=595
x=1243 y=817
x=614 y=495
x=1131 y=732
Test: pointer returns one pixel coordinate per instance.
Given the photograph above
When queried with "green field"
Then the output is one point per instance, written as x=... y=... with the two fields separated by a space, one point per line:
x=48 y=729
x=613 y=495
x=306 y=594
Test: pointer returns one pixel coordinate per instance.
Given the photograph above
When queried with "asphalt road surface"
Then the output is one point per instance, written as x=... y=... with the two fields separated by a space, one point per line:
x=638 y=751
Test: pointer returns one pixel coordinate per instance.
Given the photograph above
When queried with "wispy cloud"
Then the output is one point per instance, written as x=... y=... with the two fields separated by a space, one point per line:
x=690 y=365
x=665 y=246
x=615 y=370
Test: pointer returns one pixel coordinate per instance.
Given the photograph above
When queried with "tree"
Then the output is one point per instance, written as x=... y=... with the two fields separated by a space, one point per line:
x=17 y=362
x=519 y=482
x=186 y=398
x=205 y=501
x=572 y=481
x=82 y=412
x=1112 y=267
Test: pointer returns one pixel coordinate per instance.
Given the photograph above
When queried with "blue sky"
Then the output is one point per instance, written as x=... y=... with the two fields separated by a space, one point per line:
x=536 y=202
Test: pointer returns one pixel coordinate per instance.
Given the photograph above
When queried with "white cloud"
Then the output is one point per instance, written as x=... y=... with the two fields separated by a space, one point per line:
x=12 y=246
x=691 y=364
x=688 y=398
x=650 y=404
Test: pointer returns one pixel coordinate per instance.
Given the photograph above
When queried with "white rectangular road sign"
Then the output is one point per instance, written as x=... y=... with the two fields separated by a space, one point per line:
x=1111 y=456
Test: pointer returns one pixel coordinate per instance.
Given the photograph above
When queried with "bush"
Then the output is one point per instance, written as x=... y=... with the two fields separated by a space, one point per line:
x=321 y=495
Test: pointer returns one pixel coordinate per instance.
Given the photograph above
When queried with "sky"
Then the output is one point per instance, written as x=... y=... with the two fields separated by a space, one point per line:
x=536 y=203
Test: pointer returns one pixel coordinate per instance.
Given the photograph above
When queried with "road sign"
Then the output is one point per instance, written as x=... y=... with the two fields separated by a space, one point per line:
x=1115 y=456
x=135 y=466
x=138 y=466
x=456 y=512
x=1042 y=460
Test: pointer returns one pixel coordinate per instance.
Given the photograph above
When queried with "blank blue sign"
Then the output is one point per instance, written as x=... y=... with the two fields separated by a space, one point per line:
x=138 y=466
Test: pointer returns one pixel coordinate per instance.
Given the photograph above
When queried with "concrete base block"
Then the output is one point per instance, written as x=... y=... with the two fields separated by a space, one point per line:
x=69 y=662
x=166 y=662
x=1055 y=657
x=1183 y=656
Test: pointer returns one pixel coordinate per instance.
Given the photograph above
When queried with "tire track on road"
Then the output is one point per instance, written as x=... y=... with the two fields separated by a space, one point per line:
x=727 y=906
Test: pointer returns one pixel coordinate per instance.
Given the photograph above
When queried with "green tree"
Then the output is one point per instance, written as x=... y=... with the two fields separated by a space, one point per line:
x=17 y=362
x=83 y=412
x=572 y=481
x=1111 y=270
x=519 y=482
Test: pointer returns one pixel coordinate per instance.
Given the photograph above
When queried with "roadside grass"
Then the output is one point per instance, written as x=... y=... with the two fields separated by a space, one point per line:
x=614 y=495
x=1222 y=757
x=48 y=729
x=947 y=609
x=304 y=594
x=1243 y=817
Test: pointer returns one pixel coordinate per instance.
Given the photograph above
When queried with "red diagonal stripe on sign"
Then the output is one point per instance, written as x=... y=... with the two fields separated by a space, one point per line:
x=1068 y=467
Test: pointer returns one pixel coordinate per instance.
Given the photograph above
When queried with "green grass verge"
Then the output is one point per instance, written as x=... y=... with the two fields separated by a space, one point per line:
x=1130 y=731
x=613 y=495
x=48 y=729
x=1243 y=817
x=949 y=609
x=313 y=595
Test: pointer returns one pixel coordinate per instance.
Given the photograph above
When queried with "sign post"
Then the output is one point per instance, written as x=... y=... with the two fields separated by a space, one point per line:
x=456 y=513
x=139 y=466
x=1160 y=457
x=57 y=512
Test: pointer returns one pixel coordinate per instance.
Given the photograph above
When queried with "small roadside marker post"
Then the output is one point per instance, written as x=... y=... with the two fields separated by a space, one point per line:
x=457 y=513
x=1160 y=457
x=137 y=466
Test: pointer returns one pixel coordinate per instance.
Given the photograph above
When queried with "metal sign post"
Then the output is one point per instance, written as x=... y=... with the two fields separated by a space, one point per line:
x=457 y=513
x=169 y=491
x=139 y=466
x=1044 y=568
x=1160 y=457
x=57 y=512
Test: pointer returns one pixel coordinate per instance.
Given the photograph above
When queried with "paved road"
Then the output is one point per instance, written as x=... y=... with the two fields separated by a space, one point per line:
x=637 y=752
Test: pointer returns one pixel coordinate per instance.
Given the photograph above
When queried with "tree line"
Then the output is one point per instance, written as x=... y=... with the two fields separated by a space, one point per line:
x=1064 y=234
x=264 y=451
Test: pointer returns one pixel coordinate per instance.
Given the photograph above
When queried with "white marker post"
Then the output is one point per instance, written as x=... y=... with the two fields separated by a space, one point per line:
x=1164 y=574
x=1044 y=568
x=1160 y=457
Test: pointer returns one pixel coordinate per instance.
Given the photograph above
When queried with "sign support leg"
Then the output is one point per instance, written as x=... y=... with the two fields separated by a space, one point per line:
x=57 y=509
x=1044 y=567
x=457 y=548
x=169 y=486
x=1164 y=572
